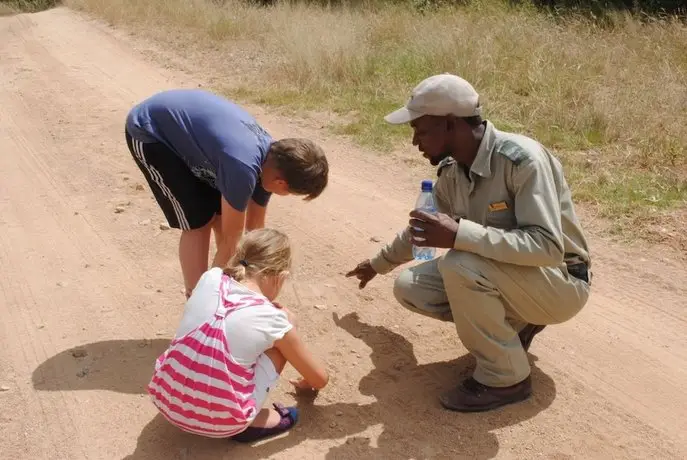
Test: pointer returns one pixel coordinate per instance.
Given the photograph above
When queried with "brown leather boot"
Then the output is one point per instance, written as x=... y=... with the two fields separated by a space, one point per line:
x=472 y=396
x=528 y=333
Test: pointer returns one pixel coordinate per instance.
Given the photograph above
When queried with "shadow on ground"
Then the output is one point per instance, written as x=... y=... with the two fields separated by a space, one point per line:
x=122 y=366
x=405 y=407
x=414 y=423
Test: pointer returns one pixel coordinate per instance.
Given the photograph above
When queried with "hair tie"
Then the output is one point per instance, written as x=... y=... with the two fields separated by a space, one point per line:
x=243 y=262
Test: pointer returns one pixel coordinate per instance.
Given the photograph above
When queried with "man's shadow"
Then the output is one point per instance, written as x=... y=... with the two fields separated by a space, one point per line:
x=414 y=423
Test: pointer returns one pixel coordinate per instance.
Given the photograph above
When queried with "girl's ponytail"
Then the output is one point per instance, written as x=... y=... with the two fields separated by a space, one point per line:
x=264 y=251
x=236 y=271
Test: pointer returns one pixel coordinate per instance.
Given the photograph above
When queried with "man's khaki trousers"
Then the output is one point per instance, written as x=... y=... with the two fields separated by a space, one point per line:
x=490 y=302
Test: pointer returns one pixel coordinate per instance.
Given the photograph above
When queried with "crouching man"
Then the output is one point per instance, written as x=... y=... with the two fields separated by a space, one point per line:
x=517 y=258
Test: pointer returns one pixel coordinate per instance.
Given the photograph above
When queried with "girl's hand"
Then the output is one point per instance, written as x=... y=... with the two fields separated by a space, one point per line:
x=303 y=388
x=313 y=374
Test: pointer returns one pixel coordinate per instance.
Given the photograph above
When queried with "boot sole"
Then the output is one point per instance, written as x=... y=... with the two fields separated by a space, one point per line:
x=486 y=408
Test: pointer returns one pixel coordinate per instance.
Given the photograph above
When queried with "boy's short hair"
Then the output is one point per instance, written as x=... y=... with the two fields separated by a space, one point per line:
x=303 y=165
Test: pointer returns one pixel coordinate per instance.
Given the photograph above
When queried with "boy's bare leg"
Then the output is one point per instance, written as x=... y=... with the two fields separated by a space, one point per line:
x=194 y=246
x=217 y=229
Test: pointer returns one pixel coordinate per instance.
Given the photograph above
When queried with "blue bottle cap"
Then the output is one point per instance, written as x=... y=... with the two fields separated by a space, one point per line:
x=427 y=185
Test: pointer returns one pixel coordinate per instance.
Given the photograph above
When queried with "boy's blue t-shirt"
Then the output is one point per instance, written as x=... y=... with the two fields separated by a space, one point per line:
x=220 y=142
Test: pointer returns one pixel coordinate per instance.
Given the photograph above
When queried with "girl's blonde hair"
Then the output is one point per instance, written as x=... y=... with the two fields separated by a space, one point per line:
x=264 y=251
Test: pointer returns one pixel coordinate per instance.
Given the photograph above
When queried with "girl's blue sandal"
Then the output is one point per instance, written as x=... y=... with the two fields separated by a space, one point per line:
x=289 y=418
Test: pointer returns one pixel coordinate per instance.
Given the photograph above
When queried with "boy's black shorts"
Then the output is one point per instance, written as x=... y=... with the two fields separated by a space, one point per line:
x=187 y=202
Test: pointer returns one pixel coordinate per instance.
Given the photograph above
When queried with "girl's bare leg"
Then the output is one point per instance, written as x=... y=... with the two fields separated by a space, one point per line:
x=267 y=417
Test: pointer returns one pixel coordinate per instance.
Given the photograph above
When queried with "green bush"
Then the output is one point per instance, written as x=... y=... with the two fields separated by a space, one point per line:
x=594 y=8
x=601 y=7
x=30 y=6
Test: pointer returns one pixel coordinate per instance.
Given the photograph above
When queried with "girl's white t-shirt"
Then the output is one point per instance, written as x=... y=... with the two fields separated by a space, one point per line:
x=250 y=330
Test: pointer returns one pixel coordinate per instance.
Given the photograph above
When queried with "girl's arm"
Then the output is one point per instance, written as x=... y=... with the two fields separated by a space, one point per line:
x=295 y=352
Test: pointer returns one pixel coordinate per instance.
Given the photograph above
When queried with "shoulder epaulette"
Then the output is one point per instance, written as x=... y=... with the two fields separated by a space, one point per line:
x=513 y=152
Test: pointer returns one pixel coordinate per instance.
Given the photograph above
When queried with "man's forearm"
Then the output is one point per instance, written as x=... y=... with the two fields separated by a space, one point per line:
x=393 y=254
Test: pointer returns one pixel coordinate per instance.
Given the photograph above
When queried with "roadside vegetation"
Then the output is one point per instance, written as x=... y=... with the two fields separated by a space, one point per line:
x=604 y=87
x=26 y=6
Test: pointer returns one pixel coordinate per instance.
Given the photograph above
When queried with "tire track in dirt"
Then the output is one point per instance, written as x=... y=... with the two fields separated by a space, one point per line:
x=608 y=384
x=43 y=186
x=23 y=307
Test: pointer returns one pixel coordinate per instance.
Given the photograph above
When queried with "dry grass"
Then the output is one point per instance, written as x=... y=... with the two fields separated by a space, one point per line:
x=611 y=100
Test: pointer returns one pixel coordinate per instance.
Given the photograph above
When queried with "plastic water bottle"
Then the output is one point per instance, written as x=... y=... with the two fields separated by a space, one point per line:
x=425 y=202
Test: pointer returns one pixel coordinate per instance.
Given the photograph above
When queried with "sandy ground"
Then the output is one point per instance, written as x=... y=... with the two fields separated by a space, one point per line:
x=90 y=296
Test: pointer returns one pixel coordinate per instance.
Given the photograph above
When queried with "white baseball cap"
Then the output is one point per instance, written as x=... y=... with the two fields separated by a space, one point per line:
x=443 y=94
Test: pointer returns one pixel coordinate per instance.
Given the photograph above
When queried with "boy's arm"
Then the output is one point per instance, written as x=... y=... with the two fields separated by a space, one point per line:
x=255 y=216
x=257 y=207
x=232 y=224
x=241 y=210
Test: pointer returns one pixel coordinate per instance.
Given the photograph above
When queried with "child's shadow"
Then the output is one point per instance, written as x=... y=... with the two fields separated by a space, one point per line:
x=405 y=407
x=122 y=366
x=406 y=410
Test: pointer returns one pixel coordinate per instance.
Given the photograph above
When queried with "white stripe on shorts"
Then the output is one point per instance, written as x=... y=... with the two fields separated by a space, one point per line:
x=157 y=178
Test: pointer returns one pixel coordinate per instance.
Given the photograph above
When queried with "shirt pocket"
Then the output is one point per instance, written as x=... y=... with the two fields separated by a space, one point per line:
x=500 y=214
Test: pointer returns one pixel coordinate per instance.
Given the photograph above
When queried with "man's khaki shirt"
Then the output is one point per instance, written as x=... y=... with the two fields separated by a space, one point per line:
x=514 y=206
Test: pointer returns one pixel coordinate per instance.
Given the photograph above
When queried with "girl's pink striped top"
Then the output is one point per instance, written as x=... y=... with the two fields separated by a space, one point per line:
x=197 y=385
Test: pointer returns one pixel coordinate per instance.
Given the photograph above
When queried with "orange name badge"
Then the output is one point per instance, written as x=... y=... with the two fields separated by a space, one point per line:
x=498 y=206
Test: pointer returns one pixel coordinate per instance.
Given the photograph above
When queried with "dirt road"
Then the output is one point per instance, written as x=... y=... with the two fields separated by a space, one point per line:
x=90 y=295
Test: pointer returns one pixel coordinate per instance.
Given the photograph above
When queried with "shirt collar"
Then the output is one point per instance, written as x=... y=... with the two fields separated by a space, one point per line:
x=482 y=163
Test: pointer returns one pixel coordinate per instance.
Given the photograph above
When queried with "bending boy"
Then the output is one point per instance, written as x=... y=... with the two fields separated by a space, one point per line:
x=211 y=166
